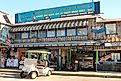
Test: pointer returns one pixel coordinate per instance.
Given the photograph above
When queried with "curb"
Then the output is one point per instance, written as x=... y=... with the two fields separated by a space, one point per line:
x=11 y=70
x=66 y=74
x=87 y=75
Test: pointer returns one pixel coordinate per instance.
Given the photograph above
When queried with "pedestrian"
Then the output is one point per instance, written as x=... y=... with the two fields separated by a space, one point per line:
x=76 y=65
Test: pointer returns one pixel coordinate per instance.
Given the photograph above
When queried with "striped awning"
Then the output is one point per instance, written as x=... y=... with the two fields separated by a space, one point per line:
x=40 y=27
x=53 y=25
x=80 y=23
x=61 y=25
x=50 y=26
x=37 y=27
x=77 y=23
x=69 y=24
x=73 y=23
x=47 y=26
x=57 y=26
x=44 y=26
x=65 y=24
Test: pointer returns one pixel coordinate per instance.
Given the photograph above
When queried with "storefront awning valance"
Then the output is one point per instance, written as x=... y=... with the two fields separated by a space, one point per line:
x=53 y=25
x=50 y=26
x=40 y=27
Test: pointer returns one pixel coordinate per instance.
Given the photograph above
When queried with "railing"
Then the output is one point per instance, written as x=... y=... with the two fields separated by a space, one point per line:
x=51 y=39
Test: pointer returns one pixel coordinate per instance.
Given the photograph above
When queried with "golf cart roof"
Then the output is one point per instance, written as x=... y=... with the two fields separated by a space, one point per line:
x=39 y=51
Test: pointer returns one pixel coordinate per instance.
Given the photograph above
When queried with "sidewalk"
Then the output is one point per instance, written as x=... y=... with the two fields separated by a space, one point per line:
x=81 y=73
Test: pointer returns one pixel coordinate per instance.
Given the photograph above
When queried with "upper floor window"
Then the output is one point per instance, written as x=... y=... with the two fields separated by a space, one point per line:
x=82 y=31
x=110 y=29
x=33 y=34
x=25 y=35
x=51 y=33
x=61 y=32
x=17 y=36
x=42 y=33
x=71 y=32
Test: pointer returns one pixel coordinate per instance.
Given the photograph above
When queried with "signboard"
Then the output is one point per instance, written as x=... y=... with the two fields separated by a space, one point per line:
x=113 y=44
x=57 y=12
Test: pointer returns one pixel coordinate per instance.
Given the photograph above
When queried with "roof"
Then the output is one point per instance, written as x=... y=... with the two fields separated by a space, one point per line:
x=109 y=20
x=4 y=12
x=58 y=19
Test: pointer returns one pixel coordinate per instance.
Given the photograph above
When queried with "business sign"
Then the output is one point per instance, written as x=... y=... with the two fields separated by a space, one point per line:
x=113 y=44
x=57 y=12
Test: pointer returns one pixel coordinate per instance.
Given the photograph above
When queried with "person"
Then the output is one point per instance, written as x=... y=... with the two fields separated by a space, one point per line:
x=76 y=65
x=8 y=62
x=15 y=62
x=46 y=63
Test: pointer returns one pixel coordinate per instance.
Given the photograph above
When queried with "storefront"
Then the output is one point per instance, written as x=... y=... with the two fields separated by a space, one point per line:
x=108 y=59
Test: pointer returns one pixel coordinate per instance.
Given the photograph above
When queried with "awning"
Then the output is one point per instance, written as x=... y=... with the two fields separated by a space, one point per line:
x=22 y=28
x=54 y=25
x=14 y=29
x=19 y=28
x=69 y=24
x=31 y=27
x=34 y=27
x=28 y=28
x=73 y=23
x=44 y=26
x=47 y=27
x=61 y=25
x=37 y=27
x=65 y=24
x=85 y=23
x=77 y=23
x=50 y=26
x=40 y=27
x=57 y=26
x=80 y=23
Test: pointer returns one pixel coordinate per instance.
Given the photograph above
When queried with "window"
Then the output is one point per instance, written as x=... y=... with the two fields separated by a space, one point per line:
x=82 y=31
x=71 y=32
x=33 y=34
x=51 y=33
x=42 y=33
x=110 y=29
x=17 y=35
x=60 y=32
x=25 y=35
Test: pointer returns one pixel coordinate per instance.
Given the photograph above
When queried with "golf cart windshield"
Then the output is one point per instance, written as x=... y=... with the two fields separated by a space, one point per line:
x=34 y=56
x=38 y=54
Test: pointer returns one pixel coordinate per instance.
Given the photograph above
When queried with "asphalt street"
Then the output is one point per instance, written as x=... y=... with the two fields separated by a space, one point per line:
x=15 y=77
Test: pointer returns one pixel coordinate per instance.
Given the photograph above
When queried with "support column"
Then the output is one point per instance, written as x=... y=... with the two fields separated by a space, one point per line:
x=97 y=58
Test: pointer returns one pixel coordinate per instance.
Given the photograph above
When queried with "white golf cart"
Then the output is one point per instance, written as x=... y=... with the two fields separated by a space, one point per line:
x=35 y=64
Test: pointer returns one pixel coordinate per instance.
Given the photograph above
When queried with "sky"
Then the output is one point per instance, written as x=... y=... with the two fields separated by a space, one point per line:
x=109 y=8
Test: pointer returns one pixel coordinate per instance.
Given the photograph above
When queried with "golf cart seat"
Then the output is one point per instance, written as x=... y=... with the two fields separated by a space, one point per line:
x=40 y=66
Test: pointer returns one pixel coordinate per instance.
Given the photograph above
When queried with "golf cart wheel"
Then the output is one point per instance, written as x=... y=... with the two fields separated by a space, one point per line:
x=33 y=75
x=48 y=73
x=22 y=74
